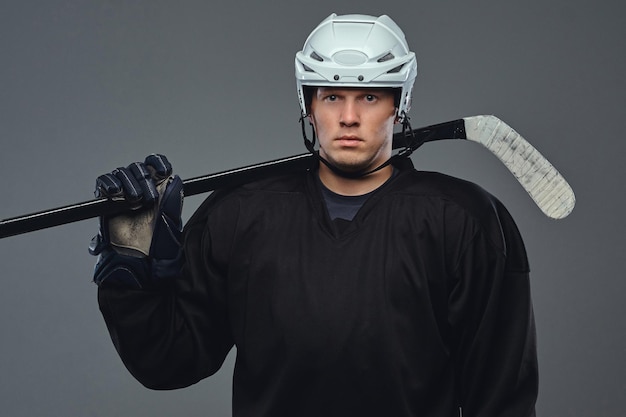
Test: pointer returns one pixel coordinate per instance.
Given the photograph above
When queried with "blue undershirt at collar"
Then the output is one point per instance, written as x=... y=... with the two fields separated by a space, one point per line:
x=346 y=206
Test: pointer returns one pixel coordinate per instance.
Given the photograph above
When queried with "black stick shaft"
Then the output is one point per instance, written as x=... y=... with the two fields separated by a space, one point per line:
x=105 y=207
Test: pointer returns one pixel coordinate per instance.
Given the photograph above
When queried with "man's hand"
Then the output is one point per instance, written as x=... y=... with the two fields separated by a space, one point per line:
x=151 y=230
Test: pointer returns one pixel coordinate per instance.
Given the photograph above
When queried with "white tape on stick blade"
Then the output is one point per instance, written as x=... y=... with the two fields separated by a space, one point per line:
x=545 y=185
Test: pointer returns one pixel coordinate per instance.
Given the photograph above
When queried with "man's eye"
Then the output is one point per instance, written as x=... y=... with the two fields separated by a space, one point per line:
x=331 y=97
x=370 y=97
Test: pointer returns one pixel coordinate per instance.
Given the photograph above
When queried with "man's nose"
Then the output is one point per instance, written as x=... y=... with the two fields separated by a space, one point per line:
x=349 y=113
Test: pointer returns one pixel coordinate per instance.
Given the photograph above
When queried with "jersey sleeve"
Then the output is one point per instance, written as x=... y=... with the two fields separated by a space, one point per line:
x=491 y=316
x=171 y=335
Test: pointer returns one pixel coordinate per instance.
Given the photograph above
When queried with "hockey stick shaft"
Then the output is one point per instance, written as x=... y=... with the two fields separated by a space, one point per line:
x=107 y=207
x=198 y=185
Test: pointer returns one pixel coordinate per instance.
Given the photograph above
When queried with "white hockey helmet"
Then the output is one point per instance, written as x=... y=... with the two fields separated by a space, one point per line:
x=357 y=51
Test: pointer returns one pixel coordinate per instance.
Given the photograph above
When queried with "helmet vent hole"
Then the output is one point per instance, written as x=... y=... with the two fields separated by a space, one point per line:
x=387 y=57
x=396 y=69
x=307 y=69
x=316 y=57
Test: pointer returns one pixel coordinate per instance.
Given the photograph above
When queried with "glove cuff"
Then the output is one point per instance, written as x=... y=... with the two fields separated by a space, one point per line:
x=114 y=268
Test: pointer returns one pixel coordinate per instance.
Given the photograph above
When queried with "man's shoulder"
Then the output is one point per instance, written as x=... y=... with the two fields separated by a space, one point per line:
x=284 y=183
x=441 y=186
x=437 y=185
x=263 y=189
x=458 y=199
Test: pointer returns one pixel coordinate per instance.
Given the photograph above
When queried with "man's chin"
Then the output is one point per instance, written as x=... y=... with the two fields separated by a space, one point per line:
x=352 y=167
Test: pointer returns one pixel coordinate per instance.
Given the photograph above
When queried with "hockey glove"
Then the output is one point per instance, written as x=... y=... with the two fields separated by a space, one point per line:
x=143 y=246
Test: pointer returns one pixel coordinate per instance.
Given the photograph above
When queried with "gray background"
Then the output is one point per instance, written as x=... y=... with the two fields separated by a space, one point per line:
x=86 y=86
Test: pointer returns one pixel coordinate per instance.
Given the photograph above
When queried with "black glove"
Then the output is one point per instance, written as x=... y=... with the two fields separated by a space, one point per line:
x=143 y=245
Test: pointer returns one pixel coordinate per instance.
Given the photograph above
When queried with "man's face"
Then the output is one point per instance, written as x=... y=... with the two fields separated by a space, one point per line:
x=354 y=126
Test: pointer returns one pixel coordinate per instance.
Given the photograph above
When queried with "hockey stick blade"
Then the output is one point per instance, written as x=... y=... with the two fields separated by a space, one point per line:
x=545 y=185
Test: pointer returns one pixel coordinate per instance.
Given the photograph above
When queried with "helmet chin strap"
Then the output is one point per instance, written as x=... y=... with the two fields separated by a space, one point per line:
x=411 y=143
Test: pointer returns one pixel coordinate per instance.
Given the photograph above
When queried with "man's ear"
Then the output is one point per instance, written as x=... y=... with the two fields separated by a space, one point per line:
x=311 y=120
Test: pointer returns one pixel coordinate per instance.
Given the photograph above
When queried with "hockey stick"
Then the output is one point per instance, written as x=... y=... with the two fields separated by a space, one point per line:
x=541 y=180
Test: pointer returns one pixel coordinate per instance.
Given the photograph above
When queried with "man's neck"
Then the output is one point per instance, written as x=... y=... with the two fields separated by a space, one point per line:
x=353 y=186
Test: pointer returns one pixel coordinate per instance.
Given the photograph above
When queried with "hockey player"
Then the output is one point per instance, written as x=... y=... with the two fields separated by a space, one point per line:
x=362 y=287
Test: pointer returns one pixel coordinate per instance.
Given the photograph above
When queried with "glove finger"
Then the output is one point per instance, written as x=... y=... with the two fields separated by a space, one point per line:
x=160 y=165
x=168 y=228
x=142 y=175
x=172 y=201
x=133 y=192
x=108 y=185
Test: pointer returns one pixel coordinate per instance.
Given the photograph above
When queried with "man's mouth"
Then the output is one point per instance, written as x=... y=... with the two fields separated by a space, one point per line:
x=349 y=140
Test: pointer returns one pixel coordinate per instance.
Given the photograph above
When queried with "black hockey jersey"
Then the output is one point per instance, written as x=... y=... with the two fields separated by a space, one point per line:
x=421 y=305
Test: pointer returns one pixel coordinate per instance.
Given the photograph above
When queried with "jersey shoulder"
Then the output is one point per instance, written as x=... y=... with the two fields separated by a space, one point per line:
x=468 y=195
x=469 y=200
x=259 y=192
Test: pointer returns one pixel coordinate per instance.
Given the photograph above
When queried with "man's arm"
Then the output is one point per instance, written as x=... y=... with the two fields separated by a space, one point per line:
x=163 y=305
x=492 y=318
